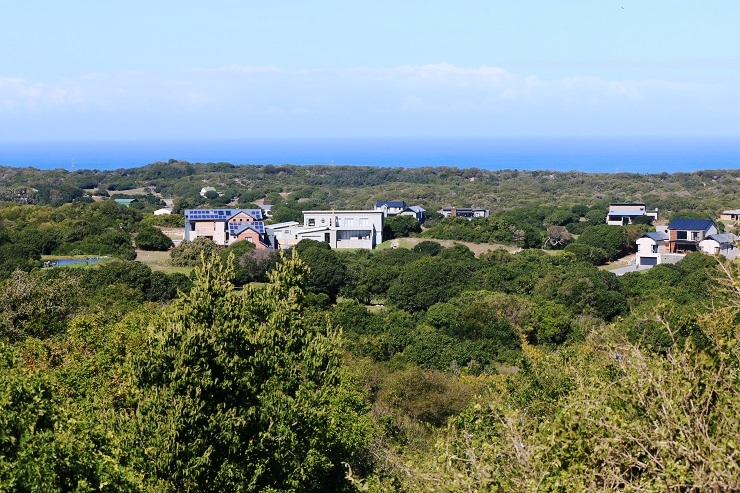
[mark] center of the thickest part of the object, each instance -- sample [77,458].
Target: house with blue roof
[684,234]
[390,207]
[226,226]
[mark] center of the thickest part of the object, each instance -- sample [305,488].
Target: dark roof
[391,203]
[691,224]
[723,238]
[220,214]
[656,235]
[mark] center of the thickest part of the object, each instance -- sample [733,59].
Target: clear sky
[161,69]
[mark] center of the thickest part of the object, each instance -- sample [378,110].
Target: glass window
[312,222]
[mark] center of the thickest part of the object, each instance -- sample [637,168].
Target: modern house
[685,234]
[651,248]
[225,226]
[415,211]
[731,215]
[719,244]
[466,212]
[622,214]
[391,207]
[399,208]
[340,229]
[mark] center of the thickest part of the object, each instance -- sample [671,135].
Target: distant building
[651,249]
[731,215]
[622,214]
[226,226]
[390,207]
[466,212]
[205,190]
[163,211]
[415,211]
[126,202]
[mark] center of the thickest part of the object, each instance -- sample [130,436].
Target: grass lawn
[476,248]
[160,261]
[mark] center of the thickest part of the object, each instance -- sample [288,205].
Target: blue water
[608,155]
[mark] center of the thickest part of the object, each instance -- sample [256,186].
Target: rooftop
[691,224]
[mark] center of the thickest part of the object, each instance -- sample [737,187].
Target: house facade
[719,244]
[622,214]
[226,226]
[390,207]
[343,229]
[684,235]
[415,211]
[466,212]
[651,249]
[731,215]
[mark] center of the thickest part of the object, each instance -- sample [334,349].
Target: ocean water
[603,155]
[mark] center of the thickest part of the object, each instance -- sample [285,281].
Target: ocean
[595,155]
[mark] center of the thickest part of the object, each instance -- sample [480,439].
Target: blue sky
[87,70]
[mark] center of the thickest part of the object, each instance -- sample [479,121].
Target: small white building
[719,244]
[622,214]
[731,215]
[466,212]
[163,211]
[651,249]
[343,229]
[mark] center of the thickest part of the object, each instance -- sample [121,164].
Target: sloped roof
[391,203]
[416,208]
[220,214]
[656,235]
[691,224]
[722,238]
[626,212]
[236,229]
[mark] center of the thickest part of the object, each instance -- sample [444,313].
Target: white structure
[415,211]
[651,249]
[163,211]
[719,244]
[391,207]
[466,212]
[205,190]
[622,214]
[340,229]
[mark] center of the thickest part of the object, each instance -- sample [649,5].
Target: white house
[651,249]
[163,211]
[466,212]
[622,214]
[340,229]
[719,244]
[390,207]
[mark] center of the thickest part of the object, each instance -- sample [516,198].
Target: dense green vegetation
[408,369]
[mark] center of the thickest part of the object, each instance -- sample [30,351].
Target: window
[348,222]
[655,248]
[249,239]
[695,235]
[312,222]
[681,235]
[364,221]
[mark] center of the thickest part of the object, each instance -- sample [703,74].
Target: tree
[400,227]
[150,238]
[239,392]
[189,253]
[326,270]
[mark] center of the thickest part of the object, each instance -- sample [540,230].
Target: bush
[153,239]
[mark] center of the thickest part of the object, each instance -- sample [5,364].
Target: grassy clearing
[476,248]
[160,261]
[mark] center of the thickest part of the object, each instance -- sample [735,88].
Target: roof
[417,208]
[722,238]
[238,228]
[656,235]
[343,212]
[732,211]
[626,203]
[391,203]
[125,202]
[287,224]
[220,214]
[691,224]
[626,212]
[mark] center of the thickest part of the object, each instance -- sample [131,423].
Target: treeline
[704,193]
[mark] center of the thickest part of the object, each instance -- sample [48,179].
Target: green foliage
[427,247]
[326,271]
[612,240]
[37,304]
[190,253]
[238,392]
[400,227]
[150,238]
